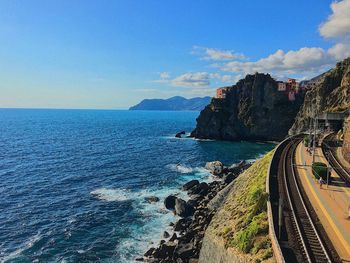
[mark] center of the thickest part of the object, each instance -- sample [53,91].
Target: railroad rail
[311,245]
[299,239]
[328,151]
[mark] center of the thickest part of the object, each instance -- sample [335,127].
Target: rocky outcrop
[214,167]
[184,245]
[253,110]
[330,94]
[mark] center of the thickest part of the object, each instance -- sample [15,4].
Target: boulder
[215,167]
[151,199]
[173,237]
[187,186]
[182,224]
[182,208]
[165,250]
[200,189]
[166,234]
[169,202]
[149,252]
[228,178]
[185,251]
[179,134]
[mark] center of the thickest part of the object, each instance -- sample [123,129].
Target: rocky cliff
[253,110]
[330,94]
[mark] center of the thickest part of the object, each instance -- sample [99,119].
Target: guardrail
[272,203]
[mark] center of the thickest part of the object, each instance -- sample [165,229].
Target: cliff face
[253,110]
[331,94]
[238,231]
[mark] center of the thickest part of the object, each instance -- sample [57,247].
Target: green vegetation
[320,170]
[244,239]
[242,221]
[307,141]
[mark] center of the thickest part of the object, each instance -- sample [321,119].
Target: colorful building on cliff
[290,87]
[221,93]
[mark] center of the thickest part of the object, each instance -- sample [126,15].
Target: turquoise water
[73,182]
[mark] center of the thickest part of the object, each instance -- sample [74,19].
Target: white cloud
[338,23]
[192,79]
[199,79]
[164,75]
[340,51]
[216,54]
[302,61]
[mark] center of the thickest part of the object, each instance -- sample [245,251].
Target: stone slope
[253,110]
[238,231]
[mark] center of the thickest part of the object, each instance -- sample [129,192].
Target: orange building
[221,93]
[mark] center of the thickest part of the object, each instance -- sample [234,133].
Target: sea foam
[110,195]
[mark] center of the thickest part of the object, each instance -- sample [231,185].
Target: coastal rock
[215,167]
[228,178]
[182,224]
[200,189]
[183,209]
[180,207]
[173,237]
[149,252]
[169,202]
[165,250]
[152,199]
[185,251]
[253,109]
[187,186]
[179,134]
[166,234]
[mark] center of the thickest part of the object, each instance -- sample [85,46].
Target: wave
[180,168]
[110,195]
[17,254]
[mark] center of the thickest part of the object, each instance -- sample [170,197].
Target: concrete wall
[346,142]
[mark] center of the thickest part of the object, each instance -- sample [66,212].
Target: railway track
[308,246]
[328,151]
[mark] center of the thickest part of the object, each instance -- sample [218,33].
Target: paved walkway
[330,203]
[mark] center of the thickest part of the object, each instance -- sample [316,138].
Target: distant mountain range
[176,103]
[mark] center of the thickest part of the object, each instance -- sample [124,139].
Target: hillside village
[291,87]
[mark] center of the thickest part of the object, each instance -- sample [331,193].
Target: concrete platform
[330,203]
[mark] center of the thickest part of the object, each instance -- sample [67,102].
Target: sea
[74,183]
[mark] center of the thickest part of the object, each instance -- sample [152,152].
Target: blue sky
[112,54]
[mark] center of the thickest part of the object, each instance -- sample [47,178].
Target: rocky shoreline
[184,245]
